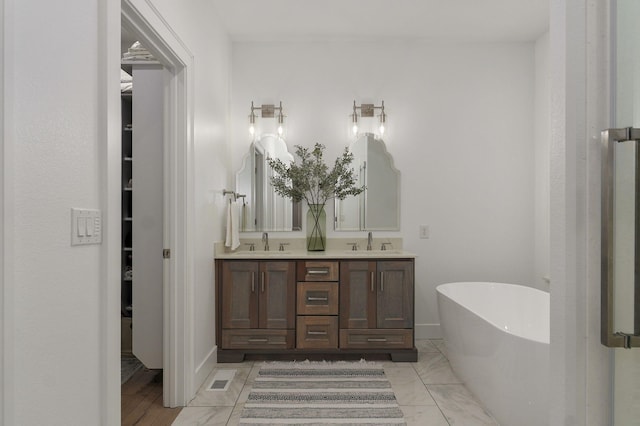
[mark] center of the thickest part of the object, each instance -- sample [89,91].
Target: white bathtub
[497,341]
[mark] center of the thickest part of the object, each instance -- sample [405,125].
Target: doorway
[142,204]
[151,30]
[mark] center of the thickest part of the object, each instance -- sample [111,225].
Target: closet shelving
[127,204]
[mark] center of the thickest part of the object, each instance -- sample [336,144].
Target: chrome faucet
[369,241]
[265,240]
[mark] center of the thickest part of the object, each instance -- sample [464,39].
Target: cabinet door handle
[373,339]
[262,282]
[373,281]
[321,333]
[253,282]
[381,282]
[317,299]
[318,271]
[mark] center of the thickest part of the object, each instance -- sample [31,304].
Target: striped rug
[321,393]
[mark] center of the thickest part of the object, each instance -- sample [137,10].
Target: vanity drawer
[317,332]
[318,270]
[317,298]
[257,339]
[363,339]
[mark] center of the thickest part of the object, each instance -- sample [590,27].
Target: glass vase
[316,228]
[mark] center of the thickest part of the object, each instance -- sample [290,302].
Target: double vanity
[334,304]
[354,300]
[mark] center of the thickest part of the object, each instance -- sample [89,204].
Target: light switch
[86,226]
[81,226]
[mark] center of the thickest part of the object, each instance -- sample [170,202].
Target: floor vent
[221,380]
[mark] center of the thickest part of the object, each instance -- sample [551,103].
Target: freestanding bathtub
[497,341]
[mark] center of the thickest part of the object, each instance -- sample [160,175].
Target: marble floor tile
[423,415]
[244,394]
[427,391]
[439,343]
[228,398]
[386,364]
[424,345]
[243,364]
[254,373]
[408,387]
[201,416]
[459,406]
[235,415]
[433,368]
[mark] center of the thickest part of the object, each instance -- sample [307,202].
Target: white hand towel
[233,233]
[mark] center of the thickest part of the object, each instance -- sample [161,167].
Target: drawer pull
[374,339]
[258,340]
[317,299]
[318,271]
[317,333]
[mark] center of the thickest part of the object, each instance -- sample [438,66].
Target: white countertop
[337,248]
[327,254]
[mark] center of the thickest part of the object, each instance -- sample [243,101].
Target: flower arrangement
[311,180]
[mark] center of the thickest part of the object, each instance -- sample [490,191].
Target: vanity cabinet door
[239,296]
[258,295]
[376,304]
[357,294]
[277,295]
[395,294]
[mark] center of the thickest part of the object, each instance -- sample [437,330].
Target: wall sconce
[368,111]
[267,111]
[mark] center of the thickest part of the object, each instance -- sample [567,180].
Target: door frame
[143,19]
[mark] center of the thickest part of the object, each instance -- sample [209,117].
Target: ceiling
[438,20]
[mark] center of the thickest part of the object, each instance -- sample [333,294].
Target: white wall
[461,133]
[55,138]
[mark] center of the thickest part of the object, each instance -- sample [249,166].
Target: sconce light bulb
[280,130]
[252,130]
[381,129]
[354,129]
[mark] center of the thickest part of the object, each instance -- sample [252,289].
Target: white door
[147,196]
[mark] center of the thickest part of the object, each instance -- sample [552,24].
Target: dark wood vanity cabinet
[258,304]
[376,304]
[298,309]
[318,289]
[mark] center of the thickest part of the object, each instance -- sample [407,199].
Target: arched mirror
[378,207]
[262,208]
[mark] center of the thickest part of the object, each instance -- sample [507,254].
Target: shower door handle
[608,334]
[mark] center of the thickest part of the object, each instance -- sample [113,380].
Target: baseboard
[204,369]
[428,331]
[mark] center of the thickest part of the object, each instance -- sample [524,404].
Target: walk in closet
[142,207]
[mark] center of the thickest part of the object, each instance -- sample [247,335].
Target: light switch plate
[424,231]
[86,226]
